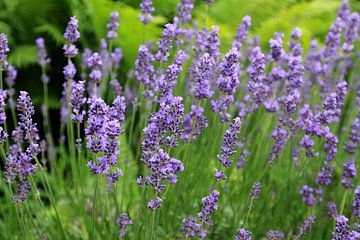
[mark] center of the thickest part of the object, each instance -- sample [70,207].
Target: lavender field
[200,134]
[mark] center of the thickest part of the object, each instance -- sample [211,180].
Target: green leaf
[53,31]
[23,56]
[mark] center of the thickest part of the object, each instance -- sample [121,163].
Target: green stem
[17,211]
[343,202]
[94,207]
[152,225]
[52,200]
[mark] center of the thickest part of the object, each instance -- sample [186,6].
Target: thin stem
[52,200]
[343,202]
[152,225]
[249,211]
[94,207]
[17,210]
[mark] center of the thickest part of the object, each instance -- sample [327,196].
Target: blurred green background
[24,20]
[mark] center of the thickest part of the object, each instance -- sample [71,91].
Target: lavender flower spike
[184,10]
[229,143]
[242,32]
[124,221]
[42,57]
[356,203]
[94,62]
[113,25]
[77,101]
[147,8]
[71,32]
[165,43]
[349,172]
[305,227]
[4,49]
[243,235]
[341,229]
[144,70]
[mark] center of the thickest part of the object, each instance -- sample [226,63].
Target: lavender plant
[160,164]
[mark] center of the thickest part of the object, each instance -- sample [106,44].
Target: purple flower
[307,143]
[308,195]
[70,51]
[354,136]
[324,177]
[271,105]
[116,57]
[341,229]
[11,74]
[275,235]
[163,168]
[71,32]
[203,73]
[21,192]
[296,34]
[77,100]
[199,46]
[229,72]
[256,73]
[94,62]
[26,111]
[331,210]
[42,56]
[124,221]
[242,159]
[230,141]
[116,87]
[20,165]
[243,235]
[4,49]
[255,191]
[146,7]
[191,229]
[356,203]
[167,82]
[242,32]
[194,123]
[349,172]
[184,10]
[95,132]
[113,25]
[305,227]
[144,70]
[295,74]
[69,71]
[84,58]
[164,44]
[351,32]
[154,204]
[164,126]
[209,205]
[276,46]
[219,175]
[330,145]
[3,133]
[212,43]
[280,136]
[333,38]
[344,10]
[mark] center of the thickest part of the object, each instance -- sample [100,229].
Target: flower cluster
[124,221]
[194,123]
[147,8]
[230,141]
[113,25]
